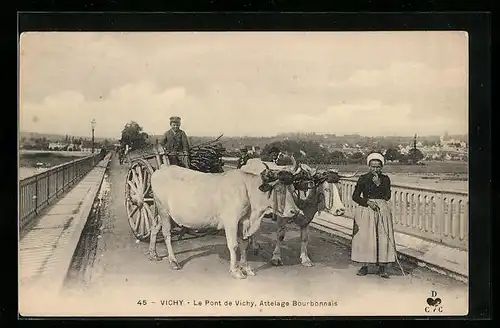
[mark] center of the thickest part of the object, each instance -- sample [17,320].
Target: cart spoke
[140,231]
[146,222]
[149,212]
[134,210]
[132,187]
[146,181]
[138,169]
[136,226]
[136,180]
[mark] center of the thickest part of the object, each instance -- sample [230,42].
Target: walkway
[45,252]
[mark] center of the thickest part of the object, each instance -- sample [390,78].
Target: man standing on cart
[176,144]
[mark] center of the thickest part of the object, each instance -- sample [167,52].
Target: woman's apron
[373,234]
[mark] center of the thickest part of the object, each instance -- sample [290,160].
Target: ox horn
[349,176]
[295,166]
[267,167]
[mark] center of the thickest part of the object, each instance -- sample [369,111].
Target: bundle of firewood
[207,157]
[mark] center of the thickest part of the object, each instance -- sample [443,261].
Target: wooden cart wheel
[139,201]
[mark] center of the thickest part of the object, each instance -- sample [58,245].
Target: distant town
[36,141]
[432,148]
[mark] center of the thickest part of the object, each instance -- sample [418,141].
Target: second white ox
[316,192]
[234,201]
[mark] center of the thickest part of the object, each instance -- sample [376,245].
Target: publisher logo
[434,303]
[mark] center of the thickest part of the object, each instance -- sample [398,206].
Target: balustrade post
[57,183]
[36,195]
[439,215]
[64,182]
[404,209]
[48,187]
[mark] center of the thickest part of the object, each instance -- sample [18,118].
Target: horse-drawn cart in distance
[139,200]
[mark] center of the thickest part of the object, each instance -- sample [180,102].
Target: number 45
[142,302]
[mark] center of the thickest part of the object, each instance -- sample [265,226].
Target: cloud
[408,75]
[371,118]
[69,112]
[243,83]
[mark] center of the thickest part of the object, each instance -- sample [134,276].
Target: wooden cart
[139,201]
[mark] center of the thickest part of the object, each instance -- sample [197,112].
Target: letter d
[434,293]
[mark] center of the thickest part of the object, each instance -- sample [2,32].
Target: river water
[25,172]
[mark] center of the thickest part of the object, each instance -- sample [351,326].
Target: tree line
[311,152]
[307,151]
[42,143]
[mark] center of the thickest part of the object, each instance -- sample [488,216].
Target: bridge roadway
[121,278]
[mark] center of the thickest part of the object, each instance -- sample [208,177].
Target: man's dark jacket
[176,141]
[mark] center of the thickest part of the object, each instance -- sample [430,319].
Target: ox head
[321,190]
[278,184]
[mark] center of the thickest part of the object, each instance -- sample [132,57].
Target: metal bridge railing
[38,191]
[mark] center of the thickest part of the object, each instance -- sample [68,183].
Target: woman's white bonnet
[376,156]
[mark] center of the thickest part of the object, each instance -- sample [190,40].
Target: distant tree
[337,157]
[133,135]
[392,154]
[356,158]
[106,143]
[304,151]
[429,143]
[415,155]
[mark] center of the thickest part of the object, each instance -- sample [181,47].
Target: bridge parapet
[428,213]
[38,191]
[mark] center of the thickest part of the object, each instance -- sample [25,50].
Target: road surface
[121,278]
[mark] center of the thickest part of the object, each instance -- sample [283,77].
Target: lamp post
[92,124]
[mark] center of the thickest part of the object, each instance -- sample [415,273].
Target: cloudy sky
[254,84]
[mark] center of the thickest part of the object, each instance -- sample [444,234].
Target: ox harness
[301,188]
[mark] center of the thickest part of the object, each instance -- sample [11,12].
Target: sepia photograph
[183,174]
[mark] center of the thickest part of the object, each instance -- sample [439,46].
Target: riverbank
[32,162]
[54,152]
[25,172]
[436,181]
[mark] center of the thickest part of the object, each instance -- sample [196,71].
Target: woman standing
[373,234]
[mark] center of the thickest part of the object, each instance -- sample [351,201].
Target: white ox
[234,201]
[316,192]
